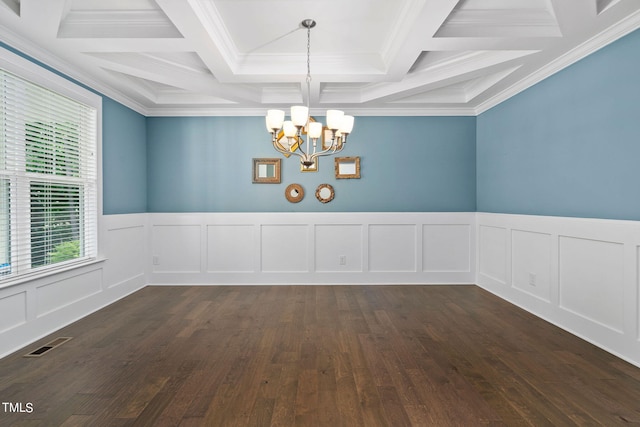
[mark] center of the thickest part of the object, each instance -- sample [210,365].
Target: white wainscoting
[36,308]
[580,274]
[311,248]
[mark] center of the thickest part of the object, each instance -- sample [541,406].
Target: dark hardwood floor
[318,356]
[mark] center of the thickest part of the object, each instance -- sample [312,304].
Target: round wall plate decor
[294,193]
[325,193]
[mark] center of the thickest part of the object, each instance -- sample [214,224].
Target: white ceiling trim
[28,48]
[626,26]
[434,57]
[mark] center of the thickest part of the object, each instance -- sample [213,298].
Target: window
[48,178]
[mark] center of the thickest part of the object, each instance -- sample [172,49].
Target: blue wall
[124,159]
[203,164]
[570,145]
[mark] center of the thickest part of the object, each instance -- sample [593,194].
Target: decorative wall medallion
[324,193]
[294,193]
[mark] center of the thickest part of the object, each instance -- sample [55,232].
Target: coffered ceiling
[368,57]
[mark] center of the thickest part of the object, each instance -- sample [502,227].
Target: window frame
[37,74]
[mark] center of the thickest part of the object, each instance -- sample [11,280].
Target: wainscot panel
[13,309]
[57,295]
[493,261]
[339,247]
[580,274]
[531,263]
[127,249]
[33,309]
[176,248]
[446,247]
[392,248]
[231,248]
[591,280]
[284,248]
[311,248]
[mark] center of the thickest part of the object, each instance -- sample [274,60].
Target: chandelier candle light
[338,124]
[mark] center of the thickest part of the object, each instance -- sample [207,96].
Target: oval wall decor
[294,193]
[325,193]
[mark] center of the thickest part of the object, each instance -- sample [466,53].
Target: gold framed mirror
[347,167]
[288,144]
[324,193]
[294,193]
[266,171]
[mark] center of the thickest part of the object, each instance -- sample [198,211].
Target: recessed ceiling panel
[116,19]
[273,27]
[501,18]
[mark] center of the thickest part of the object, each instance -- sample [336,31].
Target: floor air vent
[49,346]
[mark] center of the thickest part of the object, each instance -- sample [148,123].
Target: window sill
[51,272]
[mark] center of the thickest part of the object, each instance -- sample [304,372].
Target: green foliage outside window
[65,251]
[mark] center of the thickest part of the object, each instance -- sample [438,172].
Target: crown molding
[36,53]
[574,55]
[358,112]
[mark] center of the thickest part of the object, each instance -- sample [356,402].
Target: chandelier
[338,128]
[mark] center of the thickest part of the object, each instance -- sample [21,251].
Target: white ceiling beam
[132,85]
[257,68]
[314,92]
[44,16]
[421,21]
[489,43]
[408,87]
[472,64]
[572,15]
[146,45]
[139,66]
[185,18]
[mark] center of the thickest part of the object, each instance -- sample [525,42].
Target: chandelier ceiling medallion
[290,132]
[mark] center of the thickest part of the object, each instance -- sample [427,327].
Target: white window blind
[48,179]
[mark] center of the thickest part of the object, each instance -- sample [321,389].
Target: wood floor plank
[284,407]
[318,356]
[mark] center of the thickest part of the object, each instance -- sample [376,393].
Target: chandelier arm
[303,155]
[302,143]
[331,150]
[278,149]
[328,151]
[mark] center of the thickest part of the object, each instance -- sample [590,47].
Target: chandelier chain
[308,67]
[309,54]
